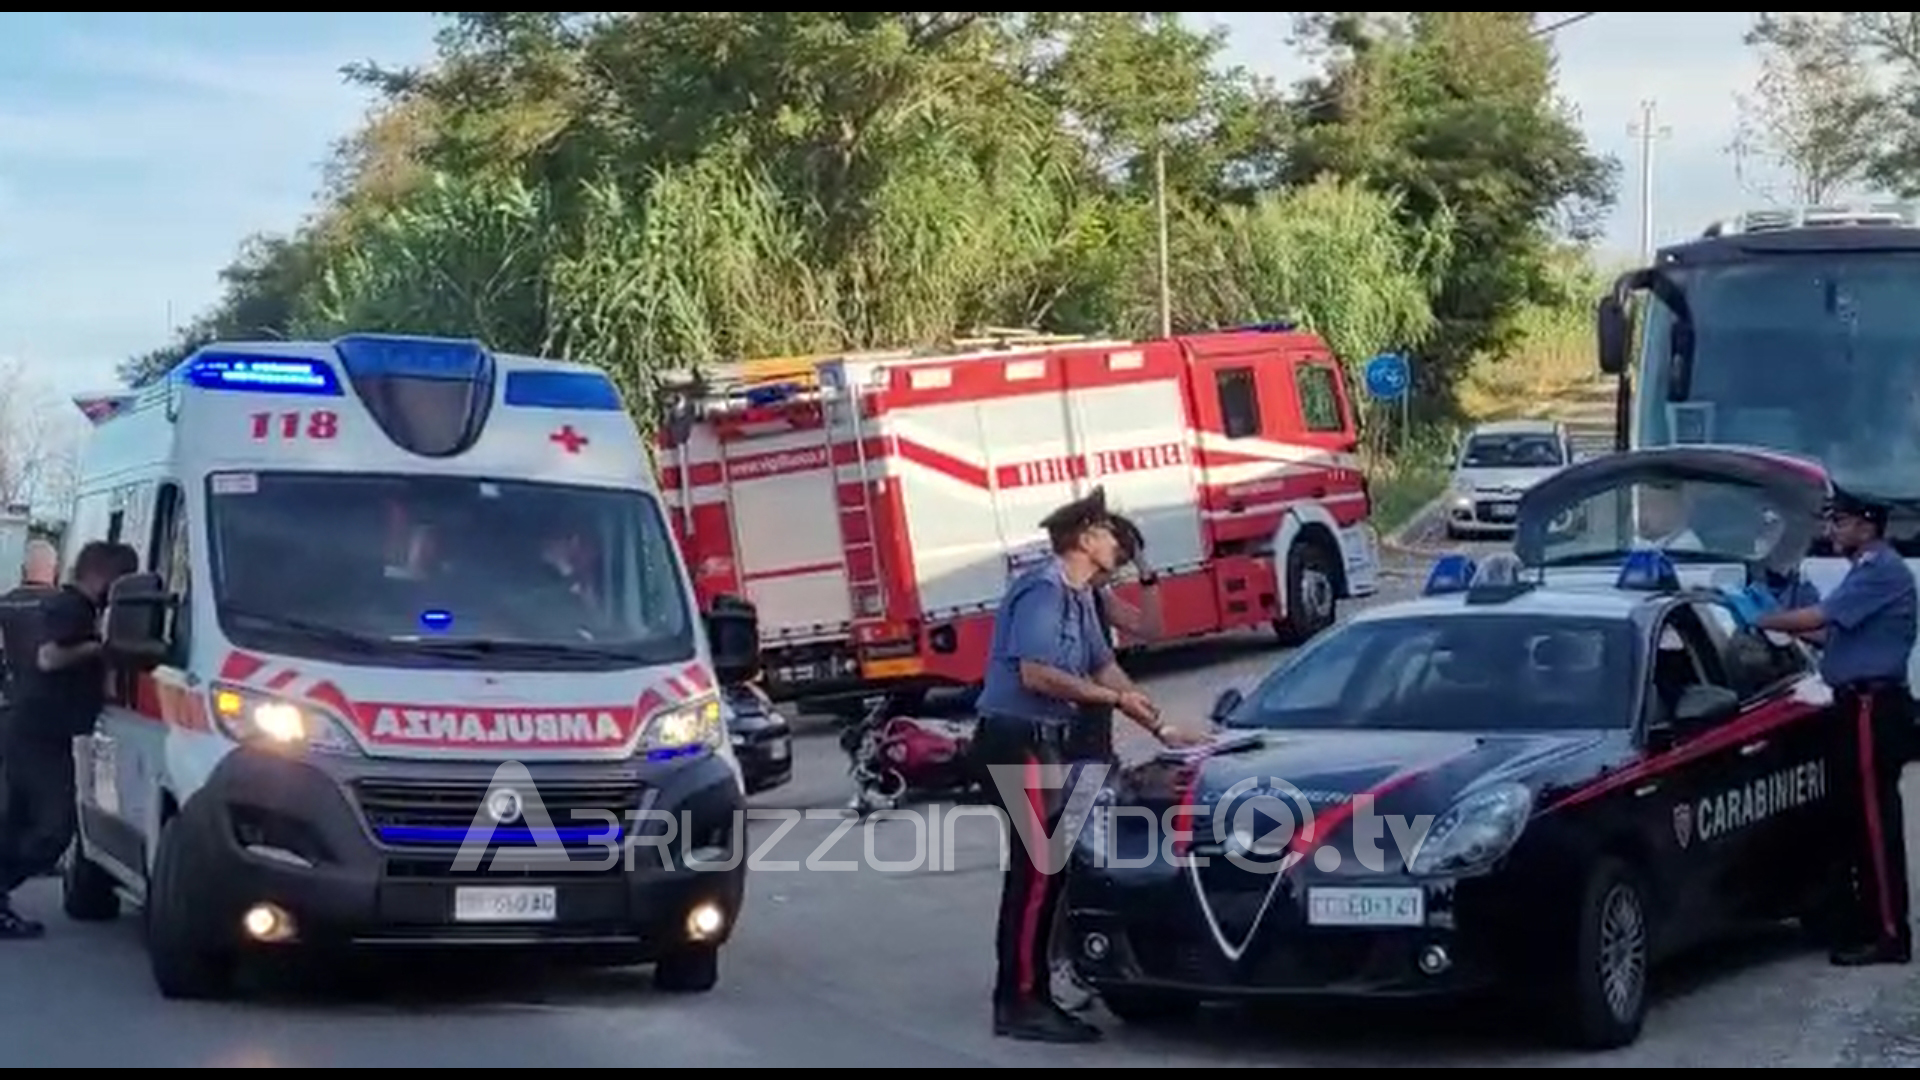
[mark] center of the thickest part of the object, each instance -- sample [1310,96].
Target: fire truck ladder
[857,522]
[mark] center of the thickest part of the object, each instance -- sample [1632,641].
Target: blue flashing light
[585,390]
[395,356]
[436,620]
[1452,574]
[771,395]
[674,752]
[1648,571]
[512,836]
[261,374]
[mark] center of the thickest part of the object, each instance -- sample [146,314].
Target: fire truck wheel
[1310,593]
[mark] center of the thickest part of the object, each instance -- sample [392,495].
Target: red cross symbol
[570,439]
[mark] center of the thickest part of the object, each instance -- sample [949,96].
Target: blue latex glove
[1763,598]
[1746,611]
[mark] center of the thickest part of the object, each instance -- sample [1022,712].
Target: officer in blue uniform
[1050,656]
[1869,627]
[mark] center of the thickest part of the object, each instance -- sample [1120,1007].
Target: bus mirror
[733,638]
[136,623]
[1614,327]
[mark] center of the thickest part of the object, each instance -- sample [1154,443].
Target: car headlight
[686,727]
[257,719]
[1477,830]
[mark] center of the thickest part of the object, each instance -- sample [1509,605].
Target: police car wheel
[1146,1007]
[87,893]
[693,970]
[1605,1000]
[183,968]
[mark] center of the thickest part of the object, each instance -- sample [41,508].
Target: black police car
[1543,782]
[762,739]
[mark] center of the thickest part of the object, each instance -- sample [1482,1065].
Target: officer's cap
[1847,504]
[1069,521]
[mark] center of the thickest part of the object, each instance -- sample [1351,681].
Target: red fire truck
[872,506]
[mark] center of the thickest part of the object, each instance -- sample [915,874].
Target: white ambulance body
[872,506]
[403,600]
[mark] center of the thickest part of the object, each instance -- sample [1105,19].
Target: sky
[138,149]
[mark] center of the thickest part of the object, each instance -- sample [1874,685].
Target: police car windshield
[428,570]
[1466,672]
[1511,452]
[1692,521]
[1817,355]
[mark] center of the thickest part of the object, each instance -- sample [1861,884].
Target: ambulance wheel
[87,893]
[1310,585]
[692,970]
[183,968]
[1603,999]
[1147,1008]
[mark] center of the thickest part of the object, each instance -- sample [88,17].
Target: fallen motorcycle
[896,759]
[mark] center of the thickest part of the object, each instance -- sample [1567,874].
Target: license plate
[1502,511]
[480,904]
[1366,907]
[779,751]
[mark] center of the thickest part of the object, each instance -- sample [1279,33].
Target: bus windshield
[446,571]
[1816,355]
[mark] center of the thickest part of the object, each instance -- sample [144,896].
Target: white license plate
[481,904]
[1366,907]
[779,751]
[1502,511]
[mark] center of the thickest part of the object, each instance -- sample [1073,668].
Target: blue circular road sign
[1387,377]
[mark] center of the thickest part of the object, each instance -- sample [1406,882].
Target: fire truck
[872,506]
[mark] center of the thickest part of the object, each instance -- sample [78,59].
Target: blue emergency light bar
[514,835]
[1648,571]
[772,395]
[584,390]
[396,356]
[260,374]
[436,620]
[1452,574]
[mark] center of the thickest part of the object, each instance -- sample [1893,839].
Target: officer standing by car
[1869,625]
[1049,657]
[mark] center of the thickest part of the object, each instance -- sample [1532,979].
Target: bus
[1796,330]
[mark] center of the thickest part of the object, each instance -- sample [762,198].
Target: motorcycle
[895,758]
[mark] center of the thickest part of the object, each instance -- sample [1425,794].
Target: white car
[1496,464]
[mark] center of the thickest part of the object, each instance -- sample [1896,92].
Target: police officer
[1049,656]
[1869,626]
[1091,737]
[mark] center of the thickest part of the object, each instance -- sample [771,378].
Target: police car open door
[1720,514]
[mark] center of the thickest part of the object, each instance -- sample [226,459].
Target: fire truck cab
[411,651]
[873,505]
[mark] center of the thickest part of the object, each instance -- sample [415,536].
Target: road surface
[869,968]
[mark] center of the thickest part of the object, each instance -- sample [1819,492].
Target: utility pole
[1160,210]
[1648,131]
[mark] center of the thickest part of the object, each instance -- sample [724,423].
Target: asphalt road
[873,968]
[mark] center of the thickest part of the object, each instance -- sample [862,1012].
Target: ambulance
[412,660]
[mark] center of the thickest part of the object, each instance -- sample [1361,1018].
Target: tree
[1455,112]
[1814,113]
[38,441]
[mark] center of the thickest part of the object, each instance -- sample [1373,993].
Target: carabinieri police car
[1548,773]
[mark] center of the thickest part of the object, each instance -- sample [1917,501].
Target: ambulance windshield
[428,570]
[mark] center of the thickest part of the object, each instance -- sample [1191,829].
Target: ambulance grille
[437,804]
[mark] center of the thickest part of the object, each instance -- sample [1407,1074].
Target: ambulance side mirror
[136,623]
[733,638]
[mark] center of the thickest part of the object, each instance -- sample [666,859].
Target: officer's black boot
[1896,951]
[1040,1021]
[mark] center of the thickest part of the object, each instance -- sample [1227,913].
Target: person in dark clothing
[20,630]
[60,699]
[1049,656]
[1869,624]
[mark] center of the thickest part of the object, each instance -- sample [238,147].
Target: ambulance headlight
[687,727]
[257,719]
[1475,832]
